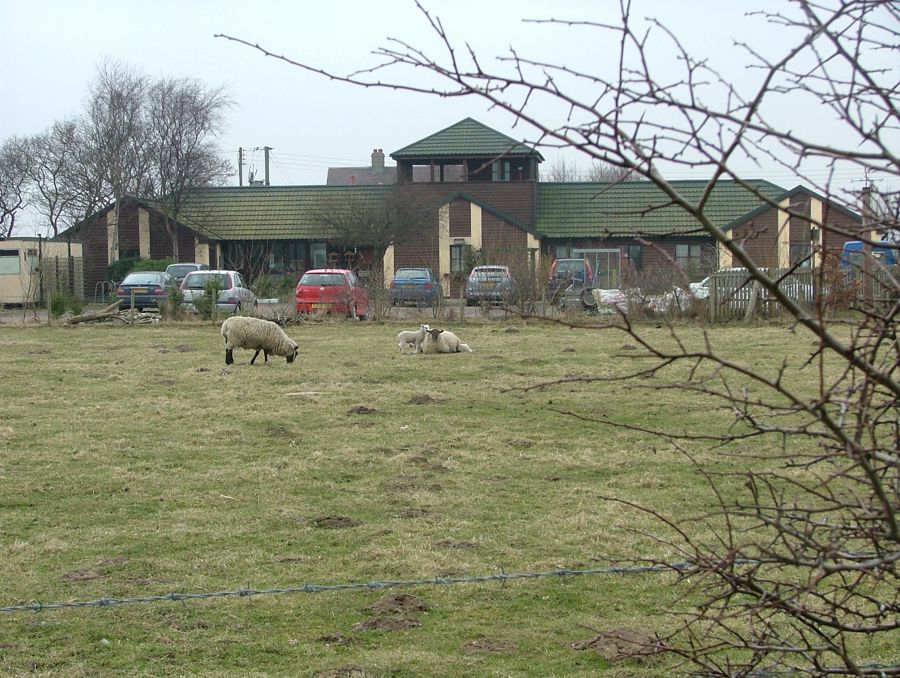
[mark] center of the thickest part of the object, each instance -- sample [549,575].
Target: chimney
[377,161]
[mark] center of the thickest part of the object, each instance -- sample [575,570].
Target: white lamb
[443,341]
[256,333]
[412,338]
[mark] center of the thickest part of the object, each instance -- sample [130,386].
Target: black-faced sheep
[412,338]
[443,341]
[256,334]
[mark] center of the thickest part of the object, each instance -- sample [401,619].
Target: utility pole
[266,150]
[240,166]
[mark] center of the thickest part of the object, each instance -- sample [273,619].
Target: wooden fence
[61,274]
[733,296]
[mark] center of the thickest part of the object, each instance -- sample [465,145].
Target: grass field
[134,463]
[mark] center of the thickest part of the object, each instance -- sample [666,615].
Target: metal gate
[607,266]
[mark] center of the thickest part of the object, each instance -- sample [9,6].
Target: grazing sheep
[412,338]
[256,333]
[443,341]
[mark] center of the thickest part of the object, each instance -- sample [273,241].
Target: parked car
[854,252]
[178,271]
[576,274]
[150,289]
[416,285]
[490,284]
[332,290]
[234,292]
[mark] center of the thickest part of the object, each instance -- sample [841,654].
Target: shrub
[206,302]
[61,301]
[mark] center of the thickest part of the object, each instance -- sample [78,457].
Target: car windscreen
[180,270]
[570,267]
[323,279]
[198,281]
[143,279]
[412,274]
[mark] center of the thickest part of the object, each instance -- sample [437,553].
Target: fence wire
[370,585]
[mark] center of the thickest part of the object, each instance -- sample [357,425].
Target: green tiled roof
[466,139]
[630,208]
[271,212]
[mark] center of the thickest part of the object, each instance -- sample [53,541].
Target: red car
[332,290]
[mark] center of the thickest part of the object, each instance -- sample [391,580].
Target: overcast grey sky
[50,50]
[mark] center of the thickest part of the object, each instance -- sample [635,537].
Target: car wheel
[588,300]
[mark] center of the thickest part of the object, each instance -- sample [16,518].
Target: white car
[235,294]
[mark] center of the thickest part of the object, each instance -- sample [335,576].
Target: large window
[9,262]
[318,254]
[635,254]
[457,258]
[801,255]
[688,255]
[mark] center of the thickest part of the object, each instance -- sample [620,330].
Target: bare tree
[48,160]
[115,129]
[13,198]
[567,170]
[183,118]
[802,577]
[376,220]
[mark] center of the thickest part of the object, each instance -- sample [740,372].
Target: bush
[61,301]
[206,302]
[171,307]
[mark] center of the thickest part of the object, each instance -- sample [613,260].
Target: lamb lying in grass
[412,338]
[443,341]
[256,333]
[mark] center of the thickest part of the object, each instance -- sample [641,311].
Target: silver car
[235,294]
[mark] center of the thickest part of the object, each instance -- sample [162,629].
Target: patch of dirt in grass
[397,604]
[361,409]
[389,623]
[280,432]
[628,347]
[521,442]
[455,544]
[488,646]
[40,351]
[81,575]
[349,671]
[411,512]
[619,644]
[334,522]
[422,460]
[404,485]
[422,399]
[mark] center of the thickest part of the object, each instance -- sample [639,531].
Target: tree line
[153,139]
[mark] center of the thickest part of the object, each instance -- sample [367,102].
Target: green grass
[134,463]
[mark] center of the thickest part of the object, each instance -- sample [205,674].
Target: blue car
[148,289]
[414,285]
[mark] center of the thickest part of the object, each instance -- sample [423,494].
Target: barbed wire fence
[348,586]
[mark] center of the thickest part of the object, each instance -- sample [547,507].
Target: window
[457,258]
[32,260]
[562,252]
[318,254]
[635,256]
[688,255]
[9,262]
[801,255]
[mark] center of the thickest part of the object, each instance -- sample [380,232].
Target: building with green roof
[489,206]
